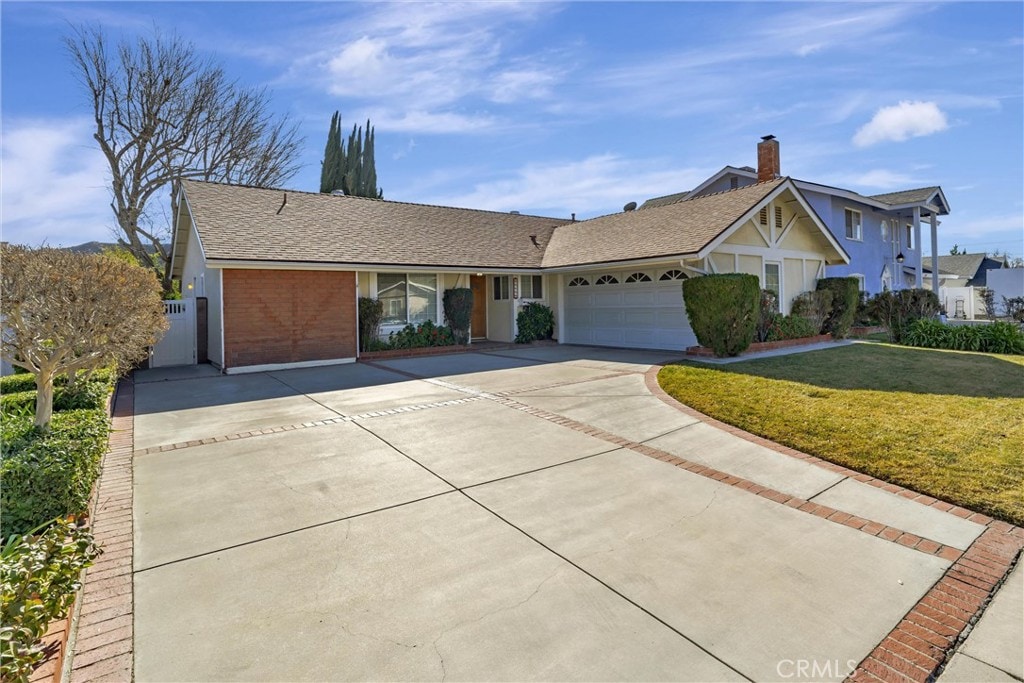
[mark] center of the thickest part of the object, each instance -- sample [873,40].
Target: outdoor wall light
[900,258]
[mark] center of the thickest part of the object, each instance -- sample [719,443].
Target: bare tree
[66,312]
[163,113]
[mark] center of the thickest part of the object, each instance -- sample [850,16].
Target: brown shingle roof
[243,223]
[921,194]
[680,228]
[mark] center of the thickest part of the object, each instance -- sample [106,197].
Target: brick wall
[288,316]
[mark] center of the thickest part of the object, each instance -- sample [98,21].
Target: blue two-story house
[883,233]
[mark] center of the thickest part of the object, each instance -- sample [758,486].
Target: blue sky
[557,108]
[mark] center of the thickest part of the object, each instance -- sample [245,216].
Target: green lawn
[946,423]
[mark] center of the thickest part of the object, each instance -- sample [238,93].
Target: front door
[478,323]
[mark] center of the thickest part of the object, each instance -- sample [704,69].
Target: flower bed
[411,353]
[703,351]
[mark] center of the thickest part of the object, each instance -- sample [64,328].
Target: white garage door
[631,309]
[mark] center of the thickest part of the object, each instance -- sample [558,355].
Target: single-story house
[282,270]
[964,270]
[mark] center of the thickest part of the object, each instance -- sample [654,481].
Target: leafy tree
[66,312]
[350,168]
[161,113]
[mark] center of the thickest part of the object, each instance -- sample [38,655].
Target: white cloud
[422,62]
[595,185]
[985,226]
[421,121]
[900,122]
[53,184]
[881,178]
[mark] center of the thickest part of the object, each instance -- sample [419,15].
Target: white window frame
[859,232]
[501,288]
[764,281]
[438,284]
[884,227]
[532,293]
[909,241]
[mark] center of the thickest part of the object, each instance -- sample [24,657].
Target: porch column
[935,253]
[560,320]
[918,275]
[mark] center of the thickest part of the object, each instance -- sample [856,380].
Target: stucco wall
[288,316]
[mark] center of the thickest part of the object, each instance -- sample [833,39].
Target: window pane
[391,292]
[532,288]
[422,298]
[771,278]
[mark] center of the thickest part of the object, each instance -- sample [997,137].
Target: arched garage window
[672,275]
[578,282]
[638,277]
[607,280]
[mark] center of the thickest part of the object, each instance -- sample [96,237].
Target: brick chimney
[767,159]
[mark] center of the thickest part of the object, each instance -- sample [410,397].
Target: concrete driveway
[495,516]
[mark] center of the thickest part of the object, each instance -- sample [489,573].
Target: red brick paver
[103,641]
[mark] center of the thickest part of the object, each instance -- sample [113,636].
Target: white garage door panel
[633,315]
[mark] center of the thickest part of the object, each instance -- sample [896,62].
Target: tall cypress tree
[332,157]
[350,168]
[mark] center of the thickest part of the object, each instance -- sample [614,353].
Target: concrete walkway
[494,517]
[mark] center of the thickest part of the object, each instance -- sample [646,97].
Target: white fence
[178,346]
[963,303]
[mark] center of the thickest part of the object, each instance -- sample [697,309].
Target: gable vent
[763,217]
[778,217]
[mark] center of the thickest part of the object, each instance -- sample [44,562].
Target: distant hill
[92,247]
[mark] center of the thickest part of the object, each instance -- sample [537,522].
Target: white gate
[178,346]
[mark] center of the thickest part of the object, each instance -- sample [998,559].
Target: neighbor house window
[910,236]
[885,231]
[853,225]
[773,278]
[407,298]
[532,286]
[501,291]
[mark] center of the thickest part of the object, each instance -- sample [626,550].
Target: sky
[558,108]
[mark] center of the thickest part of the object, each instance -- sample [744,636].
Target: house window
[672,275]
[885,231]
[578,282]
[532,286]
[773,278]
[861,284]
[910,236]
[853,225]
[501,291]
[638,277]
[607,280]
[407,298]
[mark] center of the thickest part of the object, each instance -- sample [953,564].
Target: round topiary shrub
[723,310]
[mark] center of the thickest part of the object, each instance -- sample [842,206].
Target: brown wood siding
[288,316]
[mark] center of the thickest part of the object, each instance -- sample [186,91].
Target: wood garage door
[630,309]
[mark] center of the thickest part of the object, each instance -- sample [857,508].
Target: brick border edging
[101,644]
[705,352]
[919,645]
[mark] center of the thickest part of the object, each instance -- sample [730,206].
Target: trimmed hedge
[85,395]
[845,297]
[26,381]
[723,310]
[997,337]
[790,327]
[534,321]
[49,475]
